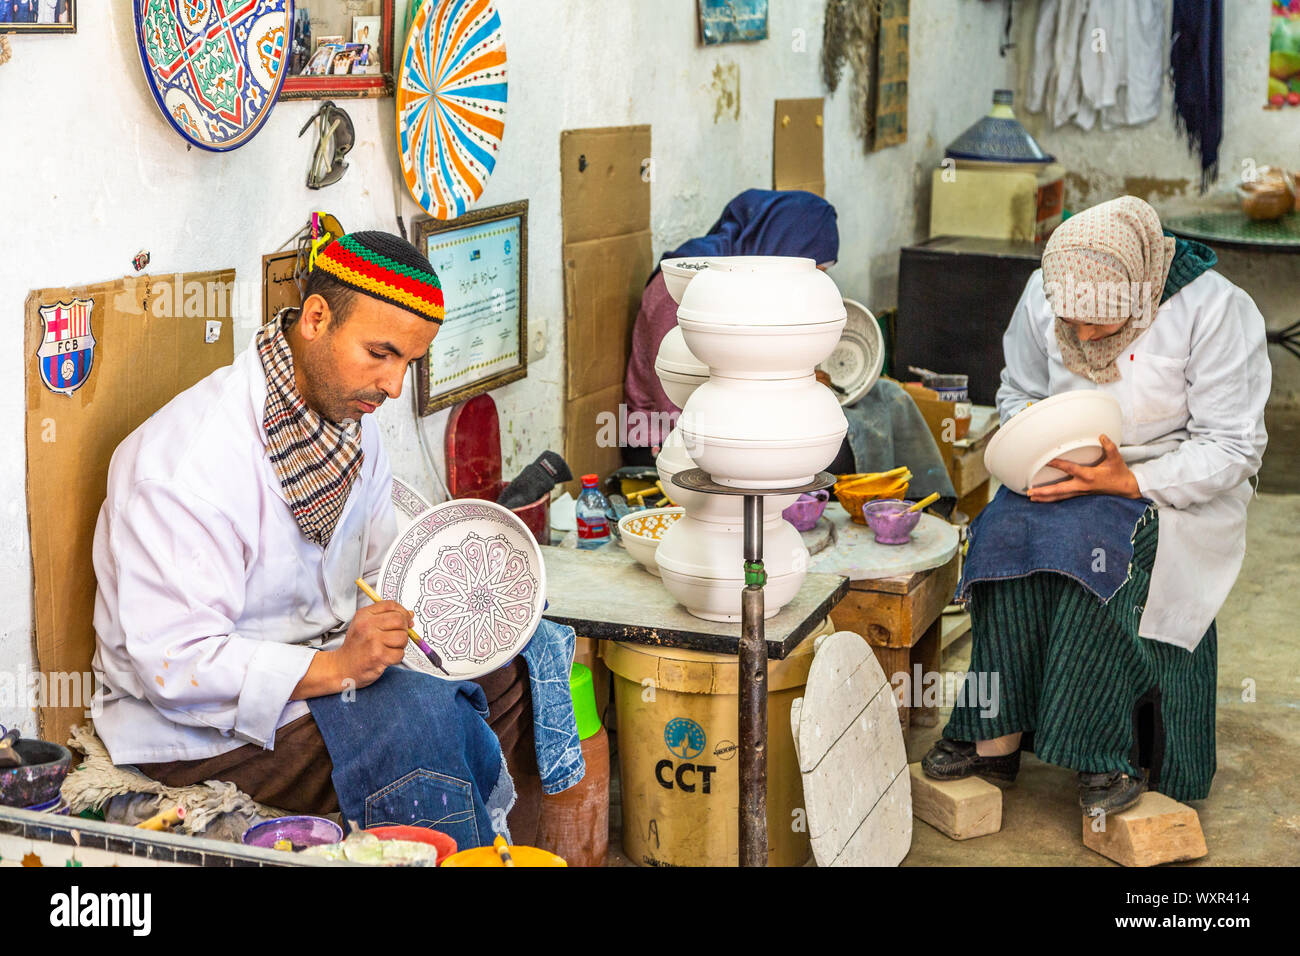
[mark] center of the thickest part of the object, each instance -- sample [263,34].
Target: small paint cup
[890,520]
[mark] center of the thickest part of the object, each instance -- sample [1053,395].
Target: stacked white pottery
[680,372]
[761,420]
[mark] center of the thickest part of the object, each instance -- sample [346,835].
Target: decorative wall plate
[408,503]
[859,356]
[451,103]
[473,576]
[215,67]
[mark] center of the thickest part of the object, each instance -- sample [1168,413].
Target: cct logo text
[75,908]
[684,739]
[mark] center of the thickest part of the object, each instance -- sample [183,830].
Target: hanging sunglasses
[335,137]
[319,232]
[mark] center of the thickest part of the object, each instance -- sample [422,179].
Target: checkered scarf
[316,460]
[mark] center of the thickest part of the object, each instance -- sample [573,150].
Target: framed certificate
[481,260]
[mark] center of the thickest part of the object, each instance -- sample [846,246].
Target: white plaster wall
[1153,161]
[92,174]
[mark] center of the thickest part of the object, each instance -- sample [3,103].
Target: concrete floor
[1252,816]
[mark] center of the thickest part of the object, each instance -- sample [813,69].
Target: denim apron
[1088,538]
[415,750]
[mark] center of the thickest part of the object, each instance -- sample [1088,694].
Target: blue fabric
[767,222]
[1196,67]
[549,656]
[414,750]
[1088,538]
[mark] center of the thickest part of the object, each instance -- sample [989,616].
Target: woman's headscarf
[767,222]
[1105,265]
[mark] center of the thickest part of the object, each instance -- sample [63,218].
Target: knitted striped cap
[385,267]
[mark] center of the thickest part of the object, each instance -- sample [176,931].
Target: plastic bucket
[678,734]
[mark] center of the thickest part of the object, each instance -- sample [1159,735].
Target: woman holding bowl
[1093,598]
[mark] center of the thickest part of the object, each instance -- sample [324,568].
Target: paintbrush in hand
[420,642]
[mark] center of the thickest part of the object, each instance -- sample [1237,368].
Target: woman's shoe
[1109,792]
[955,759]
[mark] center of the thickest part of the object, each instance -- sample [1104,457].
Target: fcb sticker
[67,350]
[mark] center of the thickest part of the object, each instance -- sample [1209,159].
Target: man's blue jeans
[414,750]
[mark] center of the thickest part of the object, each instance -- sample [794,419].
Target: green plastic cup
[584,701]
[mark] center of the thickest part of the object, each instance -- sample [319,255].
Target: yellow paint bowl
[488,856]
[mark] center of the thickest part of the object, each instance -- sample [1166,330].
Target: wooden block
[1157,830]
[962,809]
[887,618]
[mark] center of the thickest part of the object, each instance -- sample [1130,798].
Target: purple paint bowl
[805,513]
[302,832]
[890,520]
[38,778]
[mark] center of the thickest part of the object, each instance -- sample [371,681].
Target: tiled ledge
[74,841]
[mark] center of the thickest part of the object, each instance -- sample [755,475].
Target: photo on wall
[38,16]
[1284,55]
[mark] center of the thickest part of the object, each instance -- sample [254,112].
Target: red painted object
[473,447]
[445,844]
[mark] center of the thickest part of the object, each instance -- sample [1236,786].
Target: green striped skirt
[1089,694]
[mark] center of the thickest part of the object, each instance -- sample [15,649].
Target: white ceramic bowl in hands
[761,351]
[1064,426]
[721,509]
[679,371]
[678,274]
[762,290]
[703,567]
[641,531]
[762,434]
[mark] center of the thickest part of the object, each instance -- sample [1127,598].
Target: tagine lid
[998,138]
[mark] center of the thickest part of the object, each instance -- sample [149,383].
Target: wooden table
[899,615]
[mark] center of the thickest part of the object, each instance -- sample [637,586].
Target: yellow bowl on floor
[488,856]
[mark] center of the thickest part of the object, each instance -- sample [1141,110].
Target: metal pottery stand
[752,677]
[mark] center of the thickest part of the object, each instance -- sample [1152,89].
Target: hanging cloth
[1196,64]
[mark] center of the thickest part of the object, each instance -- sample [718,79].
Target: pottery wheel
[851,756]
[858,556]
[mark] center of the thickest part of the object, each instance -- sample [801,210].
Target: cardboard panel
[603,282]
[150,344]
[582,435]
[605,182]
[279,290]
[605,186]
[797,146]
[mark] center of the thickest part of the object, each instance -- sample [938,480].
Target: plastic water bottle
[593,522]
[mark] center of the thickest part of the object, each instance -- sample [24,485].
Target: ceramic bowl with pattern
[1065,426]
[472,574]
[641,531]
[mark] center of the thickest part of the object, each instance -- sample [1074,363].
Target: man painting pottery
[231,635]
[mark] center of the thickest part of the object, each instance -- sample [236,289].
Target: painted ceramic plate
[855,364]
[451,103]
[215,67]
[407,502]
[472,574]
